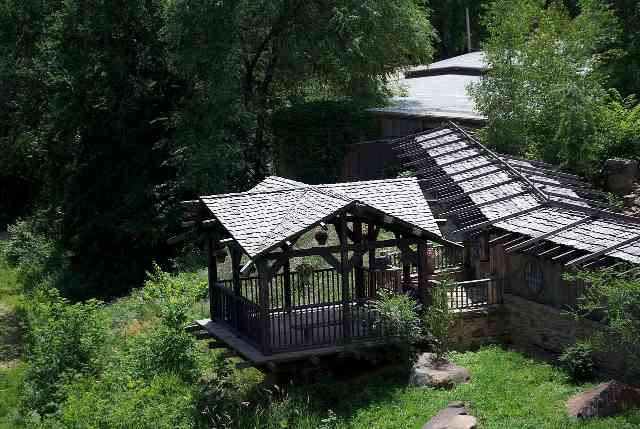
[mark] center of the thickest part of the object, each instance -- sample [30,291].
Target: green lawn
[507,390]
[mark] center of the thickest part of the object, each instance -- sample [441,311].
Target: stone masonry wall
[477,327]
[550,330]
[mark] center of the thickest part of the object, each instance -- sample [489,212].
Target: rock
[429,372]
[454,416]
[604,400]
[621,174]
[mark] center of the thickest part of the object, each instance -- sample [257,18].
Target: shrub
[399,320]
[170,297]
[31,252]
[62,341]
[437,320]
[577,361]
[162,349]
[164,402]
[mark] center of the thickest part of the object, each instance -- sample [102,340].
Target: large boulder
[431,372]
[604,400]
[621,174]
[454,416]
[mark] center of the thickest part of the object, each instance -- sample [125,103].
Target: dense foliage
[544,92]
[111,112]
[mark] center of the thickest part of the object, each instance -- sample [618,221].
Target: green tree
[542,94]
[275,53]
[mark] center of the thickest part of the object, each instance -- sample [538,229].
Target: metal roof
[438,90]
[473,62]
[478,189]
[278,209]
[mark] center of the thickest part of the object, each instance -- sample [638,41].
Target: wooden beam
[263,294]
[501,238]
[551,250]
[565,254]
[466,179]
[501,219]
[549,234]
[344,278]
[177,238]
[485,203]
[474,191]
[602,252]
[212,277]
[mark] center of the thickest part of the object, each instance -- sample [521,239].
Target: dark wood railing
[316,315]
[475,293]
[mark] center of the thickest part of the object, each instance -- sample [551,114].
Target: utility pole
[466,11]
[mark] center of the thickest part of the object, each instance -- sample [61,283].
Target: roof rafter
[609,249]
[550,233]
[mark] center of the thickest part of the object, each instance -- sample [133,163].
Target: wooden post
[406,275]
[265,319]
[344,275]
[236,257]
[287,284]
[466,260]
[359,271]
[372,236]
[212,276]
[425,272]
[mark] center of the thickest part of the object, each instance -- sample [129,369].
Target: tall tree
[278,52]
[544,87]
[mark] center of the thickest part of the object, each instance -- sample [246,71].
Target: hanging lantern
[322,236]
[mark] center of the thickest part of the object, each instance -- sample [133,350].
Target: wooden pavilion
[280,314]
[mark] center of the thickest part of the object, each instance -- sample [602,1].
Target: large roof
[439,90]
[278,209]
[478,189]
[472,63]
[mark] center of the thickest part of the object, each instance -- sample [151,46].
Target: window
[533,276]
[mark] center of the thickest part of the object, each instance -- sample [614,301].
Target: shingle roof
[277,208]
[481,188]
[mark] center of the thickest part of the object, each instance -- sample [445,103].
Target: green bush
[170,297]
[164,402]
[399,320]
[437,320]
[163,349]
[62,341]
[577,361]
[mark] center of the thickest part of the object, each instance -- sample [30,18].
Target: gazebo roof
[279,209]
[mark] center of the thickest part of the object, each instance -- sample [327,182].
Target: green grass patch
[10,389]
[507,390]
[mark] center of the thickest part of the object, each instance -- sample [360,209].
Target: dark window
[533,276]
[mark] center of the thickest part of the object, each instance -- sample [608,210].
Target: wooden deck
[252,354]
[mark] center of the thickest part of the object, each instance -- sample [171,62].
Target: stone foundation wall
[550,330]
[474,328]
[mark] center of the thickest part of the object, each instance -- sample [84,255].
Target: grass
[10,368]
[507,390]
